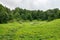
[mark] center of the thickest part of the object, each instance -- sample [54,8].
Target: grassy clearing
[35,30]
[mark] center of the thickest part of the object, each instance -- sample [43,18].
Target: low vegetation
[34,30]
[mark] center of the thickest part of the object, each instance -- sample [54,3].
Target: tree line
[23,14]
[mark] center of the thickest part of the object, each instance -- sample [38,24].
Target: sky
[31,4]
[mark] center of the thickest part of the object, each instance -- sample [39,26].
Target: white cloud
[31,4]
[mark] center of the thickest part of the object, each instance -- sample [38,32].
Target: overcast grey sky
[31,4]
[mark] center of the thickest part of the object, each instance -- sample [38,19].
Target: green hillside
[34,30]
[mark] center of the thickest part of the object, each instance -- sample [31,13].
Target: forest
[20,14]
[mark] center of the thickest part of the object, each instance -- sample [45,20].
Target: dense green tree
[3,14]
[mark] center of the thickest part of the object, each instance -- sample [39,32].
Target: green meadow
[34,30]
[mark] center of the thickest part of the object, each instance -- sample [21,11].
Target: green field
[35,30]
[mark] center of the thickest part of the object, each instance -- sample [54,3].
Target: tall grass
[35,30]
